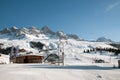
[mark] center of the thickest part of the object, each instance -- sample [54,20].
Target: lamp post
[61,50]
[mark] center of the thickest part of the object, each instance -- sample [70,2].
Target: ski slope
[78,65]
[72,48]
[54,72]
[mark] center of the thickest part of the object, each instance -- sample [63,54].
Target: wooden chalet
[27,59]
[18,56]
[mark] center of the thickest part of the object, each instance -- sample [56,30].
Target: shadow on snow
[87,67]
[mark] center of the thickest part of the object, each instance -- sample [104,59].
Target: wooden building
[16,57]
[27,59]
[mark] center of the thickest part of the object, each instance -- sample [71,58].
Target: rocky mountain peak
[73,36]
[46,30]
[61,35]
[23,30]
[5,31]
[103,39]
[34,30]
[15,32]
[13,29]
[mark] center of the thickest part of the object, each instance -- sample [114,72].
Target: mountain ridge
[69,43]
[17,32]
[45,30]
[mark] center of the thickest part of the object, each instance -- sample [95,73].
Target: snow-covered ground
[71,71]
[78,65]
[79,68]
[4,59]
[72,48]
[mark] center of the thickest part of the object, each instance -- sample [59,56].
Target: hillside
[72,45]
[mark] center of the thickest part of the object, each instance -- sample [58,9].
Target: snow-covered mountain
[103,39]
[20,33]
[47,30]
[72,45]
[10,36]
[74,36]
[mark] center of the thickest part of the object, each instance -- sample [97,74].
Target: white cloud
[112,6]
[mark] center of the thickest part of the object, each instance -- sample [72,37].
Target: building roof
[29,55]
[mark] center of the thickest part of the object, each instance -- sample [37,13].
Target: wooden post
[118,63]
[63,58]
[59,51]
[63,55]
[58,55]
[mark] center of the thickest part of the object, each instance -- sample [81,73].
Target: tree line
[113,50]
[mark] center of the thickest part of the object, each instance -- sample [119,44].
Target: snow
[54,72]
[74,69]
[72,48]
[78,65]
[14,27]
[4,59]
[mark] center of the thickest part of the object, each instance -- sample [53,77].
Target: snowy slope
[72,48]
[77,66]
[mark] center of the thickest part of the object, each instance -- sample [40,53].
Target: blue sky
[89,19]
